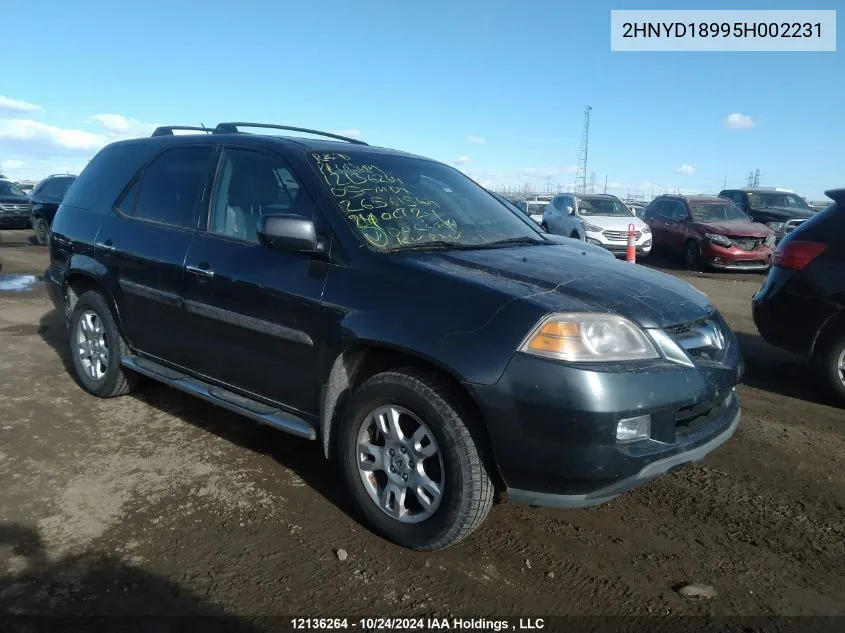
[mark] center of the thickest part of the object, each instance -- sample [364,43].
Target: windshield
[603,206]
[775,199]
[716,212]
[398,202]
[10,189]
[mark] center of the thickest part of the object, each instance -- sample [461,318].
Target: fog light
[590,240]
[630,429]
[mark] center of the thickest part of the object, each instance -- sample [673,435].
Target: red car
[709,231]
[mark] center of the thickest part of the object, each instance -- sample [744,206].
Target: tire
[827,363]
[575,235]
[467,496]
[42,233]
[109,378]
[692,256]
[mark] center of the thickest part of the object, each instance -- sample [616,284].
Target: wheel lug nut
[390,452]
[405,476]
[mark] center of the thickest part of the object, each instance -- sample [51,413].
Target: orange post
[631,254]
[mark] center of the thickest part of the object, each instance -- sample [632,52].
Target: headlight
[588,338]
[646,230]
[721,240]
[592,228]
[770,239]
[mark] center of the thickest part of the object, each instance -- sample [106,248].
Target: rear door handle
[202,269]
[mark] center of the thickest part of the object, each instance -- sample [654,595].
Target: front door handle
[202,269]
[106,246]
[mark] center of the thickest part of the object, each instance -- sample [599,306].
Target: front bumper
[553,426]
[643,246]
[733,258]
[14,221]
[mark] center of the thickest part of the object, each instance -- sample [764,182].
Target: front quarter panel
[432,316]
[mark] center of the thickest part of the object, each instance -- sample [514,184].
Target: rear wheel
[42,234]
[829,364]
[411,462]
[97,347]
[692,256]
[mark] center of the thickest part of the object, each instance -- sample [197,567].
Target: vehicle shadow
[770,369]
[92,591]
[303,457]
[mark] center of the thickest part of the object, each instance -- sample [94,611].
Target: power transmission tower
[756,178]
[750,182]
[581,172]
[593,182]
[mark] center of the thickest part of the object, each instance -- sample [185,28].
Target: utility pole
[725,183]
[581,172]
[605,183]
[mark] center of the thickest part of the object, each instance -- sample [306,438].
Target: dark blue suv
[440,347]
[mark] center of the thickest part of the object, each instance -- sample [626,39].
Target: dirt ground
[159,503]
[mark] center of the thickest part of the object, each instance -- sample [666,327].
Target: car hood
[567,279]
[783,213]
[613,222]
[14,200]
[737,228]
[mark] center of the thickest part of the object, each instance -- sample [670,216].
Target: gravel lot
[159,503]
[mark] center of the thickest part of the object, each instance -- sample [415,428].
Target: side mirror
[570,210]
[291,233]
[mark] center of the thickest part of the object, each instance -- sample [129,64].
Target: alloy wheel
[400,464]
[92,346]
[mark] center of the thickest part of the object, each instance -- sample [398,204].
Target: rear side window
[105,176]
[171,187]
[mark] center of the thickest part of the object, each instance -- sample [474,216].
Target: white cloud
[349,133]
[685,169]
[16,106]
[462,160]
[41,146]
[737,121]
[476,139]
[12,164]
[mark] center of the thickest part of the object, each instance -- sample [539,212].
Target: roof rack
[167,130]
[232,128]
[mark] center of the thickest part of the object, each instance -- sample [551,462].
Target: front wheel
[411,462]
[42,233]
[692,256]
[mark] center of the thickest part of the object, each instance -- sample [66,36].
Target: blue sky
[435,78]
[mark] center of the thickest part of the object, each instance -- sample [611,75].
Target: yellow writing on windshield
[384,209]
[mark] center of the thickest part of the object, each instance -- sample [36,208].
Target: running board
[265,414]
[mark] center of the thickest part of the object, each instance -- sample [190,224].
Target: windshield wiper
[434,245]
[525,239]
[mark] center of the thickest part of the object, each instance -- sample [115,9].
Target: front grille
[701,340]
[748,243]
[620,235]
[14,208]
[688,419]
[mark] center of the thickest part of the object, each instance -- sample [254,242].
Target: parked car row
[437,344]
[35,209]
[736,230]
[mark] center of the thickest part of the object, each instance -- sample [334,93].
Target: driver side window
[251,184]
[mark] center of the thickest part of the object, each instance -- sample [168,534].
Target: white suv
[605,219]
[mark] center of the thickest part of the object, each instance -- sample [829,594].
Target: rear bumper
[786,320]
